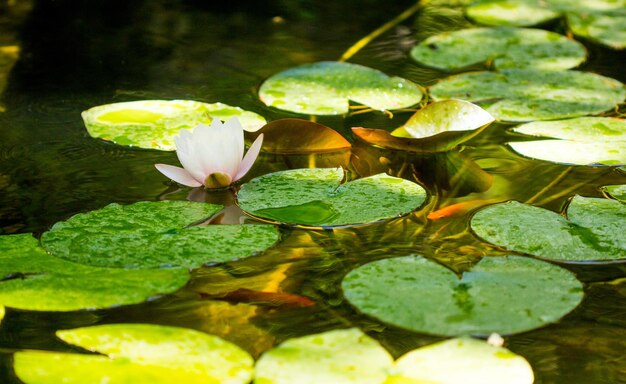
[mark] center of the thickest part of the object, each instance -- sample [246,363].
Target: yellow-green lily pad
[516,13]
[138,354]
[529,94]
[34,280]
[506,47]
[316,197]
[344,356]
[499,294]
[461,360]
[583,140]
[154,234]
[153,124]
[592,230]
[325,88]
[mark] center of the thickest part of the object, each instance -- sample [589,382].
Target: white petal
[234,125]
[186,152]
[178,174]
[250,158]
[218,147]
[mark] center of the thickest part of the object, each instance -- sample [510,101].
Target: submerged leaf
[338,357]
[289,136]
[593,229]
[324,88]
[507,47]
[138,353]
[153,124]
[316,197]
[500,294]
[154,234]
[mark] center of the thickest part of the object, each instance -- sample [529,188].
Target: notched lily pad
[34,280]
[137,353]
[291,136]
[462,360]
[154,234]
[506,47]
[528,94]
[584,140]
[338,357]
[316,197]
[500,294]
[324,88]
[153,124]
[593,230]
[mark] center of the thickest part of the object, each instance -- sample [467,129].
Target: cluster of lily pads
[121,255]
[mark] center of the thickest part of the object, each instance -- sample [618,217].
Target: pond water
[76,55]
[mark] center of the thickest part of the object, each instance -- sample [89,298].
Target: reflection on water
[75,55]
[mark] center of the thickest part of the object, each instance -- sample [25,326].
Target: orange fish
[459,208]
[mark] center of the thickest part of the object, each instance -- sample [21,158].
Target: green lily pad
[507,47]
[593,229]
[338,357]
[154,234]
[500,294]
[528,94]
[608,28]
[324,88]
[515,13]
[153,124]
[34,280]
[617,191]
[137,353]
[584,140]
[315,196]
[462,360]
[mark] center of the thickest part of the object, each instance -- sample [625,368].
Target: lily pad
[338,357]
[154,234]
[324,88]
[316,197]
[608,28]
[506,47]
[517,13]
[34,280]
[500,294]
[462,360]
[593,229]
[617,191]
[137,353]
[584,140]
[528,94]
[290,136]
[153,124]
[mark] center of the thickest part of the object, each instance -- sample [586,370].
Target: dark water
[78,54]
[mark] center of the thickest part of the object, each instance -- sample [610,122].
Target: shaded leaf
[500,294]
[617,191]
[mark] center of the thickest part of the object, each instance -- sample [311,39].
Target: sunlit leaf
[506,47]
[608,28]
[519,13]
[137,353]
[154,234]
[316,197]
[593,230]
[288,136]
[2,312]
[617,191]
[583,140]
[153,124]
[526,94]
[34,280]
[462,360]
[324,88]
[338,357]
[500,294]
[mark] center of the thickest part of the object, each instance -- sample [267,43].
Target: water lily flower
[212,155]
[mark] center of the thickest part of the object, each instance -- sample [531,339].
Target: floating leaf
[583,140]
[593,229]
[154,234]
[507,47]
[608,28]
[527,94]
[324,88]
[617,191]
[500,294]
[338,357]
[317,197]
[34,280]
[137,353]
[288,136]
[2,312]
[153,124]
[462,360]
[518,13]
